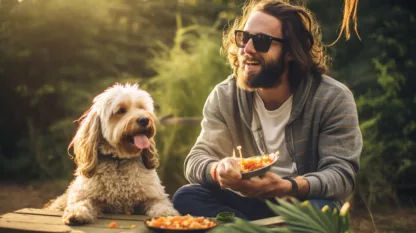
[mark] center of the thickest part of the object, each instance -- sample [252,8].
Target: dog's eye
[121,111]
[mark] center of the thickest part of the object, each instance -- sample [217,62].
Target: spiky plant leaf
[327,221]
[241,226]
[294,216]
[299,217]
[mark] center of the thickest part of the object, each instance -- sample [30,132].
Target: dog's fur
[115,153]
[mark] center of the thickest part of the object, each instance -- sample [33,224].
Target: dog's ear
[150,157]
[85,143]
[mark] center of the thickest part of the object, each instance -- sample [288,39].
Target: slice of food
[181,222]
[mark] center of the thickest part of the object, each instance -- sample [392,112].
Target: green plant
[299,217]
[387,113]
[186,72]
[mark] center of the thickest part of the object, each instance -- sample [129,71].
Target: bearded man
[278,98]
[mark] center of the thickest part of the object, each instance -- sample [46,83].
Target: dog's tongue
[141,141]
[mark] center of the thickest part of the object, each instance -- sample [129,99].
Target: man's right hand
[227,172]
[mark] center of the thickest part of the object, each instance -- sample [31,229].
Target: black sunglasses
[261,42]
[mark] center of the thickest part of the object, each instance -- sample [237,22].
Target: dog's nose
[142,121]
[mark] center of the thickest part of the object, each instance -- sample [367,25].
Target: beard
[268,76]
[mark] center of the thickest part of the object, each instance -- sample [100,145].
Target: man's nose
[142,121]
[249,48]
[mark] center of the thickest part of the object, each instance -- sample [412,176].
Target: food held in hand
[257,162]
[181,222]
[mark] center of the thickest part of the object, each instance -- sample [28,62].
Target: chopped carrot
[133,226]
[113,225]
[254,163]
[181,222]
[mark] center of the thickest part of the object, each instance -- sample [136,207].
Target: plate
[260,171]
[163,230]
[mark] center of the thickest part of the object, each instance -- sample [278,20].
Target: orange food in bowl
[256,162]
[181,222]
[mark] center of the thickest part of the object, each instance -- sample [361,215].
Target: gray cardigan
[322,135]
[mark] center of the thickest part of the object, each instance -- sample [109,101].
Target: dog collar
[112,157]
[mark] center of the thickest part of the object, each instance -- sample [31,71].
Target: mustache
[246,58]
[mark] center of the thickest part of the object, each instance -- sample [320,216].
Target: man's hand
[269,185]
[227,172]
[228,175]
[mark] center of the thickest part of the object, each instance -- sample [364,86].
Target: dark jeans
[199,200]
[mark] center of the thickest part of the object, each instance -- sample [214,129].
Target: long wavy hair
[301,32]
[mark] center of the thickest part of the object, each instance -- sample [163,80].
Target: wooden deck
[40,220]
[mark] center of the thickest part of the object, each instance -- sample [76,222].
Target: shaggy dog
[115,153]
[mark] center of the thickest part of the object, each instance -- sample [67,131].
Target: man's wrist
[293,189]
[303,187]
[208,180]
[213,171]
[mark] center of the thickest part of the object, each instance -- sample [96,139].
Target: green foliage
[298,217]
[186,73]
[377,69]
[387,110]
[49,68]
[56,55]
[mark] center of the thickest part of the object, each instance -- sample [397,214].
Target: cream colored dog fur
[116,159]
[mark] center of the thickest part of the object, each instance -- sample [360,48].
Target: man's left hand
[269,185]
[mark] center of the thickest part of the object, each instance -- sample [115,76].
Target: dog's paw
[78,216]
[171,212]
[161,209]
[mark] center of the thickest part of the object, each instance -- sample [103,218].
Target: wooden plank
[51,220]
[87,229]
[269,221]
[266,221]
[9,226]
[16,227]
[41,220]
[39,212]
[59,214]
[57,220]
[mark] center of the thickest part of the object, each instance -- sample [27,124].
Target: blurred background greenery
[56,55]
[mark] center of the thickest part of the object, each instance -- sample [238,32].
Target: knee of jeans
[182,196]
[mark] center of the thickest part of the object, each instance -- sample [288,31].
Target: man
[278,99]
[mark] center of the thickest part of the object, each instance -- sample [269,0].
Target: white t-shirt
[273,124]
